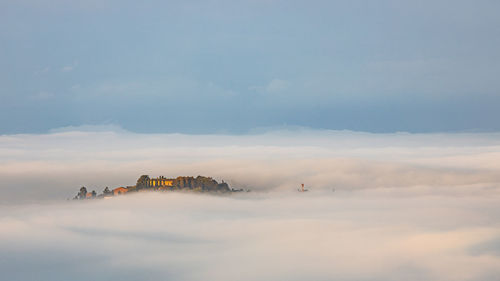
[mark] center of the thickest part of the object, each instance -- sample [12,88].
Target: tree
[224,187]
[143,182]
[106,191]
[83,193]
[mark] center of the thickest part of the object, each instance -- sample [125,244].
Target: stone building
[160,181]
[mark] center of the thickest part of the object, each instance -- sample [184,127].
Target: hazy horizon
[56,165]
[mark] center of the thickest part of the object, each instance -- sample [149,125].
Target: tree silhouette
[142,182]
[106,191]
[83,193]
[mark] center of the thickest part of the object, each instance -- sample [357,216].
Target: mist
[54,166]
[380,206]
[366,235]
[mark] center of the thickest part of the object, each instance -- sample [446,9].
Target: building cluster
[161,183]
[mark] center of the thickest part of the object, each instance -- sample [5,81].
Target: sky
[231,67]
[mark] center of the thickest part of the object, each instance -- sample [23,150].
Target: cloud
[43,70]
[90,128]
[69,68]
[165,89]
[42,95]
[277,86]
[274,236]
[54,165]
[380,206]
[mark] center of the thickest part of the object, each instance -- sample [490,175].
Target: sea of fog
[379,207]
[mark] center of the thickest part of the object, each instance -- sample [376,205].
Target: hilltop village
[145,183]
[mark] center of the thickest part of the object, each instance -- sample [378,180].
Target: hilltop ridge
[161,183]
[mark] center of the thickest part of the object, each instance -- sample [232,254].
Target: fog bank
[380,207]
[54,166]
[366,235]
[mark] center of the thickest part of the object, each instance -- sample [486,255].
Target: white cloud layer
[54,166]
[404,207]
[367,235]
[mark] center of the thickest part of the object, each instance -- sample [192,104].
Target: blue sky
[234,66]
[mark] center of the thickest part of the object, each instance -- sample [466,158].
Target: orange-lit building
[119,190]
[160,181]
